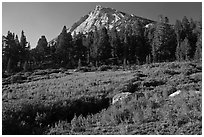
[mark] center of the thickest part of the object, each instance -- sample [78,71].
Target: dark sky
[48,19]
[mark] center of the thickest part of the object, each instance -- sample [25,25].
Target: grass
[67,102]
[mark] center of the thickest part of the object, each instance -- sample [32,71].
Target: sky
[48,18]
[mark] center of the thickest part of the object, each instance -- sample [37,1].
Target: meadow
[64,101]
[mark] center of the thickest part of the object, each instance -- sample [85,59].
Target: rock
[190,92]
[120,96]
[175,93]
[193,92]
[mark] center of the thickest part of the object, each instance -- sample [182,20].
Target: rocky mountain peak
[103,16]
[98,8]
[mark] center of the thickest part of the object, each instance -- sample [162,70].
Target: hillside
[64,101]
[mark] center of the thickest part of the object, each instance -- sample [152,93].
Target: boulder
[194,92]
[120,96]
[175,93]
[190,92]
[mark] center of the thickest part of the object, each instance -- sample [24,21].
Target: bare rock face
[104,16]
[120,96]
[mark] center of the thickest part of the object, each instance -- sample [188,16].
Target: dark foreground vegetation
[63,101]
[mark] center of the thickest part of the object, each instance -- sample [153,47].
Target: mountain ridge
[103,16]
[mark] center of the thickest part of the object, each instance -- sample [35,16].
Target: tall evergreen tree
[198,31]
[193,37]
[186,27]
[10,52]
[79,49]
[104,48]
[116,45]
[125,47]
[162,42]
[178,30]
[94,47]
[148,38]
[64,48]
[198,52]
[88,43]
[24,49]
[185,49]
[42,48]
[138,47]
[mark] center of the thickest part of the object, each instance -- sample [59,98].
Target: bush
[17,78]
[82,69]
[78,124]
[129,110]
[153,82]
[191,128]
[25,116]
[171,72]
[59,128]
[104,68]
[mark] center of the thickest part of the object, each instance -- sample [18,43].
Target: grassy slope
[69,86]
[49,104]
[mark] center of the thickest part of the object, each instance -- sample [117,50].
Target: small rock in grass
[120,96]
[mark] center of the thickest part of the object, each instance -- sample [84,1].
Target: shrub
[78,124]
[191,128]
[153,82]
[25,66]
[83,69]
[104,68]
[59,128]
[18,78]
[171,72]
[31,114]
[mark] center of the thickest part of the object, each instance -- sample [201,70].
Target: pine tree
[148,38]
[125,49]
[25,66]
[24,49]
[178,30]
[116,45]
[9,66]
[94,47]
[186,28]
[191,35]
[185,49]
[64,48]
[104,48]
[138,47]
[79,49]
[42,46]
[198,52]
[88,43]
[10,52]
[198,31]
[163,45]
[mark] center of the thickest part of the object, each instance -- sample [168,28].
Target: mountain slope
[107,17]
[102,16]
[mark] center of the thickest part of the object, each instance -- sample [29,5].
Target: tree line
[132,44]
